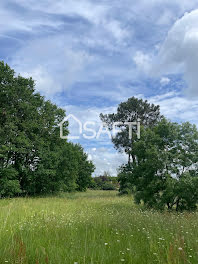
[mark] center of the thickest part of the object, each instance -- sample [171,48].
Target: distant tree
[165,172]
[130,111]
[104,182]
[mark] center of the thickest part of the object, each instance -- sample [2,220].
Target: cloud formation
[176,107]
[179,51]
[142,61]
[53,64]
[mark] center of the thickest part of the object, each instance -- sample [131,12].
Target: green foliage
[124,178]
[9,184]
[104,182]
[108,186]
[165,171]
[130,111]
[30,144]
[75,169]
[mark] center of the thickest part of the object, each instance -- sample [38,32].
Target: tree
[130,111]
[165,171]
[75,169]
[31,148]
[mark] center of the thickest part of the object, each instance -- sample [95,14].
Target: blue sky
[88,56]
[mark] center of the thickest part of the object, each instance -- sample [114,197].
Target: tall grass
[94,227]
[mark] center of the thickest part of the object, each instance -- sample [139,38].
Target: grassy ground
[93,227]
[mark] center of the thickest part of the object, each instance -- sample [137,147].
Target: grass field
[93,227]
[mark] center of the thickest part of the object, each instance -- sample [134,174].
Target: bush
[108,186]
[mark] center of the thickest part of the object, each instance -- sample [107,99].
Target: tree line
[34,159]
[162,168]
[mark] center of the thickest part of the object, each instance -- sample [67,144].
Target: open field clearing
[93,227]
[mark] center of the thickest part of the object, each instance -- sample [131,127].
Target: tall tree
[130,111]
[30,146]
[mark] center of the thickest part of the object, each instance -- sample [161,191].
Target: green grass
[94,227]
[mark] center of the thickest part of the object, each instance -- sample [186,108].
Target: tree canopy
[165,171]
[130,111]
[32,152]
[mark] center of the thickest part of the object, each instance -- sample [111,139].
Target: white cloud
[177,108]
[97,14]
[163,12]
[43,80]
[166,17]
[142,61]
[52,63]
[116,29]
[179,51]
[11,21]
[165,81]
[86,9]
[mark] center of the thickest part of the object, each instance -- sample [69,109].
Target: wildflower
[122,260]
[128,249]
[106,244]
[118,240]
[180,248]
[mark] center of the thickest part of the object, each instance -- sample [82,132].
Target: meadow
[94,227]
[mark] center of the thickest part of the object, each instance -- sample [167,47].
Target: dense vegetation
[94,227]
[33,157]
[104,182]
[163,170]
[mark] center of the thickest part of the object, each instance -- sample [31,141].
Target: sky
[87,56]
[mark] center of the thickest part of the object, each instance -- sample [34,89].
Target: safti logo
[103,129]
[77,121]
